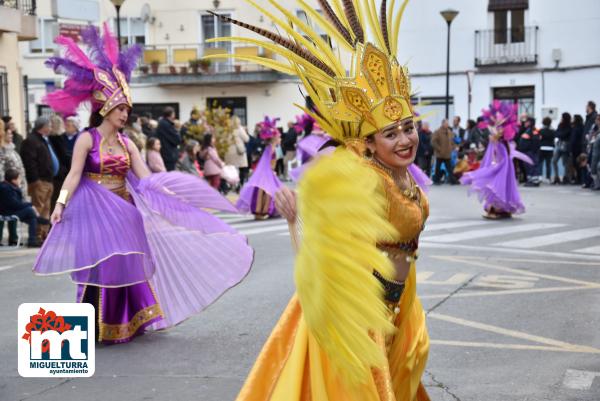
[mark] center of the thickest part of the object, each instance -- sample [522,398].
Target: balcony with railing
[19,16]
[182,64]
[500,47]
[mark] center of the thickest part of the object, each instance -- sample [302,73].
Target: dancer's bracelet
[63,197]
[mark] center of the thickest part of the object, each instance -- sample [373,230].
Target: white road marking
[489,232]
[455,224]
[257,224]
[495,249]
[593,249]
[2,268]
[253,231]
[506,282]
[552,239]
[237,220]
[579,379]
[456,279]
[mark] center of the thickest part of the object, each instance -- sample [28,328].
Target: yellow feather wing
[344,213]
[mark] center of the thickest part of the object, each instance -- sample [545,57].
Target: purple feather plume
[128,59]
[91,37]
[501,115]
[72,70]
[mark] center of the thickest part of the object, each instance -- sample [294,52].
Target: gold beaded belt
[106,179]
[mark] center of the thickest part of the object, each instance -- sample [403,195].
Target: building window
[133,31]
[155,110]
[4,110]
[506,21]
[517,26]
[48,30]
[213,27]
[523,96]
[500,27]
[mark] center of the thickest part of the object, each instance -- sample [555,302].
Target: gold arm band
[63,197]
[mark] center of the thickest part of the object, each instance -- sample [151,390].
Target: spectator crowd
[34,167]
[224,152]
[567,153]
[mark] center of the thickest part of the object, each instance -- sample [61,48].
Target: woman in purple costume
[256,196]
[139,245]
[495,180]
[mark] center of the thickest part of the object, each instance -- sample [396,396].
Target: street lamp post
[118,4]
[448,16]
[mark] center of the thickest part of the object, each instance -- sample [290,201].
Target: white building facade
[542,54]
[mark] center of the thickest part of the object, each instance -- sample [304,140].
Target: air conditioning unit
[548,111]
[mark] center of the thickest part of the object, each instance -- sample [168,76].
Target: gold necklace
[412,192]
[110,148]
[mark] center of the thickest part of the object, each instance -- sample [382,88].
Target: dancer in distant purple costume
[256,196]
[495,180]
[139,245]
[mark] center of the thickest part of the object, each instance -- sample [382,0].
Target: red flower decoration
[45,321]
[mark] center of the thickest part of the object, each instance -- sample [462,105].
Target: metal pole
[118,26]
[448,74]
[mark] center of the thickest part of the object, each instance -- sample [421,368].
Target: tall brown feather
[383,23]
[280,40]
[353,21]
[333,18]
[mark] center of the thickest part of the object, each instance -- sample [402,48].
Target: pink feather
[111,47]
[64,103]
[74,53]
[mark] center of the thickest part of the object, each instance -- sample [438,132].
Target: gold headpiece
[372,95]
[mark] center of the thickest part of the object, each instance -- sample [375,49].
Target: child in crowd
[12,204]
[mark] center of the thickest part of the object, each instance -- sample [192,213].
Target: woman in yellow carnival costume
[356,330]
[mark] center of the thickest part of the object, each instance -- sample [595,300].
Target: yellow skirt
[292,366]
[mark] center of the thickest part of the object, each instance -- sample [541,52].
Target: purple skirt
[262,183]
[153,261]
[121,313]
[495,181]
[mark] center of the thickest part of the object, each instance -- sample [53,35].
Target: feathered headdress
[101,76]
[303,121]
[501,116]
[372,95]
[268,128]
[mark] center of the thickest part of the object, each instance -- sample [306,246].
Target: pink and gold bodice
[107,169]
[102,163]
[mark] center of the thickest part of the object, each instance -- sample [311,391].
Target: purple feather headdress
[100,77]
[268,128]
[501,115]
[302,121]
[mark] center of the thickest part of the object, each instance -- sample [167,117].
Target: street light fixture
[118,4]
[448,16]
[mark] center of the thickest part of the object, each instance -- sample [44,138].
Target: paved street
[513,311]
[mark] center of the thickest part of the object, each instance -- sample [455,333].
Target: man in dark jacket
[12,204]
[590,118]
[288,145]
[547,136]
[529,143]
[41,166]
[169,138]
[424,150]
[63,145]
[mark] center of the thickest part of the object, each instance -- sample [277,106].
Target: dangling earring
[368,154]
